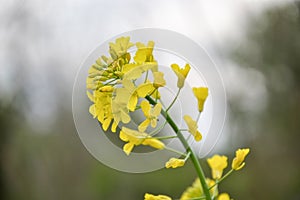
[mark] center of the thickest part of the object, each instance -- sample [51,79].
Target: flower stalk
[193,156]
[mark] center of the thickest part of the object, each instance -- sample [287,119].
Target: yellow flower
[238,162]
[174,163]
[151,115]
[192,125]
[201,94]
[181,73]
[102,107]
[224,196]
[156,197]
[196,191]
[135,71]
[119,108]
[133,92]
[135,138]
[121,46]
[144,53]
[159,80]
[217,164]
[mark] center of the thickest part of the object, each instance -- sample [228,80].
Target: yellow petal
[217,164]
[92,110]
[90,96]
[201,94]
[106,124]
[114,127]
[156,110]
[192,126]
[143,126]
[174,163]
[123,136]
[137,72]
[224,196]
[125,118]
[155,143]
[127,148]
[132,102]
[144,89]
[181,73]
[121,45]
[238,161]
[159,80]
[198,136]
[145,105]
[156,197]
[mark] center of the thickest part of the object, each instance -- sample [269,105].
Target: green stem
[193,157]
[175,151]
[158,129]
[221,179]
[173,100]
[166,137]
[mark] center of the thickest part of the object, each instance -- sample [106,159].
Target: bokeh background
[256,45]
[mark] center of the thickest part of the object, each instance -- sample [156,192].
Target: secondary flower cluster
[217,164]
[123,83]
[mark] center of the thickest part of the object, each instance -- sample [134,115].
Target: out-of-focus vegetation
[272,47]
[51,163]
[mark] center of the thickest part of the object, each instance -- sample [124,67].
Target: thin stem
[174,100]
[193,157]
[187,156]
[198,117]
[158,129]
[175,151]
[146,77]
[166,137]
[221,179]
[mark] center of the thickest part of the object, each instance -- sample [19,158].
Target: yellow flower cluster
[196,191]
[118,85]
[115,92]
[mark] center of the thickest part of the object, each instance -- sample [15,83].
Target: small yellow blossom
[238,162]
[121,46]
[224,196]
[217,164]
[201,94]
[174,163]
[101,109]
[196,191]
[144,53]
[135,138]
[192,126]
[156,197]
[151,115]
[136,71]
[132,93]
[159,80]
[181,73]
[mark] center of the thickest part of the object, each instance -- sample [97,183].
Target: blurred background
[256,45]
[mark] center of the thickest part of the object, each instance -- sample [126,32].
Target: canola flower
[124,83]
[151,115]
[136,138]
[217,164]
[193,127]
[238,162]
[156,197]
[174,163]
